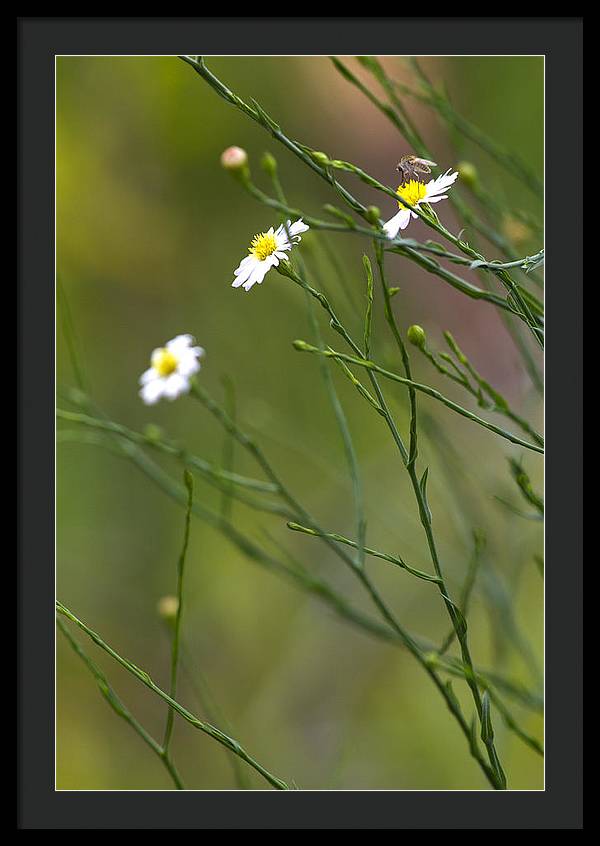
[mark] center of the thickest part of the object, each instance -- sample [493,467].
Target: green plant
[506,286]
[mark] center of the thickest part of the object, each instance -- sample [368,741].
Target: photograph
[299,443]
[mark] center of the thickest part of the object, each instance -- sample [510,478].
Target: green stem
[393,559]
[316,586]
[302,346]
[325,171]
[189,483]
[419,488]
[499,403]
[118,707]
[142,676]
[199,393]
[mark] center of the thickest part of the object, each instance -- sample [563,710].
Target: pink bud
[234,158]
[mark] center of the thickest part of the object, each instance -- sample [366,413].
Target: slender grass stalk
[420,490]
[468,585]
[385,556]
[494,775]
[201,690]
[484,393]
[341,420]
[425,651]
[68,327]
[146,680]
[222,479]
[319,588]
[518,300]
[338,271]
[524,484]
[303,346]
[119,708]
[469,514]
[189,484]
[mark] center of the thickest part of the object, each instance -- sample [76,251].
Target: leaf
[487,730]
[423,488]
[267,121]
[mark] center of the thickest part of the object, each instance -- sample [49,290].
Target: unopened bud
[416,335]
[468,173]
[234,158]
[320,158]
[167,608]
[153,432]
[373,214]
[515,230]
[269,164]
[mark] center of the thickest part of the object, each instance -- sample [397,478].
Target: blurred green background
[150,229]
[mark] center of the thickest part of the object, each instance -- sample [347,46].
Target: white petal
[289,231]
[440,184]
[282,240]
[397,222]
[259,274]
[188,362]
[147,375]
[152,391]
[179,345]
[245,262]
[242,274]
[188,365]
[175,385]
[298,227]
[437,199]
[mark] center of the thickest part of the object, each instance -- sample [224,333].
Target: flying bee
[411,167]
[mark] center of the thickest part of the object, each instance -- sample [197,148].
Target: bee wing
[426,162]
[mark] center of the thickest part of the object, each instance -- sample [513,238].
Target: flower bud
[269,164]
[153,432]
[167,608]
[468,173]
[515,230]
[416,335]
[234,159]
[373,215]
[320,158]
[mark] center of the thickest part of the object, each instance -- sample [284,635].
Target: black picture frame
[40,806]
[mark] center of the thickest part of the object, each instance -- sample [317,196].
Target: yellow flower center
[263,245]
[412,192]
[164,362]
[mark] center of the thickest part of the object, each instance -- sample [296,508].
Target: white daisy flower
[415,193]
[266,250]
[172,367]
